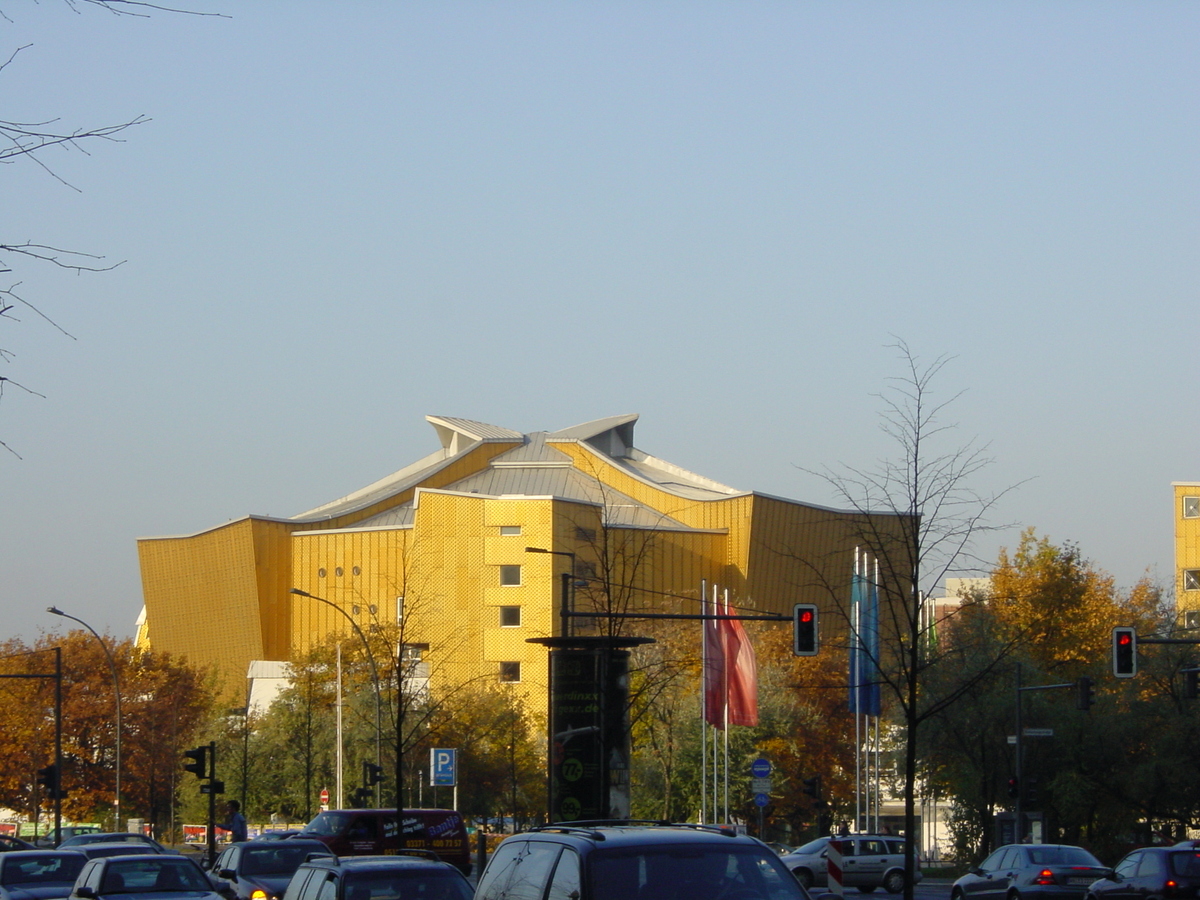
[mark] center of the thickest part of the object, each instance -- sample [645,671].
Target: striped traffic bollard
[833,866]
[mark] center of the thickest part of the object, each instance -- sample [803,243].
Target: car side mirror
[976,870]
[84,891]
[228,874]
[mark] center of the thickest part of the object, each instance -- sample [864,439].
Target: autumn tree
[163,702]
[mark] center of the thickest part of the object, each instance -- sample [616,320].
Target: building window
[320,573]
[510,529]
[413,653]
[1191,579]
[1191,619]
[510,576]
[338,572]
[1191,507]
[399,610]
[585,535]
[510,672]
[510,616]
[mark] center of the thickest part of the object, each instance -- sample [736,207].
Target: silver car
[869,861]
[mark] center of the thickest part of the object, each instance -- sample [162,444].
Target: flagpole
[703,704]
[856,662]
[726,741]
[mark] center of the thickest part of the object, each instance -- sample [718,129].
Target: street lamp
[370,659]
[565,612]
[112,665]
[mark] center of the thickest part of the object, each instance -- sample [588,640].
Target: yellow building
[1187,552]
[440,547]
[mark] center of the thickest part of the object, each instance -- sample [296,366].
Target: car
[1015,871]
[407,874]
[633,860]
[38,874]
[261,870]
[95,851]
[8,842]
[1152,873]
[53,838]
[152,876]
[869,861]
[121,837]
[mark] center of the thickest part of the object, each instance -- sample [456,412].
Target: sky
[343,217]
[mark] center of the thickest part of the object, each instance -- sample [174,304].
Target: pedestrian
[236,824]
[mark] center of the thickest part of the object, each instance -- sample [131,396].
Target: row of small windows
[338,571]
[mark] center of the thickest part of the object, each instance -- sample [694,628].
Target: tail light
[1170,888]
[1044,877]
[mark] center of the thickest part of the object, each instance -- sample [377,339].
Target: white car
[869,861]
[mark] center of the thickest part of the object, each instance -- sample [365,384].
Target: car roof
[637,834]
[403,861]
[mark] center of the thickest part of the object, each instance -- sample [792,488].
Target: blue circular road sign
[760,768]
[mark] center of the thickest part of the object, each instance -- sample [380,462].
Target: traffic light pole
[1019,810]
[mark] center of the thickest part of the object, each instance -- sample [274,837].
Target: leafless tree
[918,516]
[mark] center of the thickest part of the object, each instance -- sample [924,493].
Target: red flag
[714,670]
[742,672]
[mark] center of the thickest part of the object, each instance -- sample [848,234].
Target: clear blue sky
[345,216]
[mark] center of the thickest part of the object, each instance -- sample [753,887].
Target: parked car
[1015,871]
[53,838]
[635,861]
[367,832]
[38,874]
[95,851]
[261,870]
[152,876]
[869,861]
[122,837]
[8,842]
[1152,873]
[409,874]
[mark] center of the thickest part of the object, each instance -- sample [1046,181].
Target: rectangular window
[1191,579]
[1191,507]
[1191,619]
[510,616]
[399,610]
[510,529]
[510,672]
[510,576]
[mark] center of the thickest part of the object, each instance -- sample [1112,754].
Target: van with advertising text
[371,832]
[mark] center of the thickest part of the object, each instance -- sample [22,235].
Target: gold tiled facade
[440,548]
[1187,552]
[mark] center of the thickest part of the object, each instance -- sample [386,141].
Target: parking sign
[443,767]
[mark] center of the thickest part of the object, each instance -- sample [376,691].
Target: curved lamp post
[370,659]
[112,665]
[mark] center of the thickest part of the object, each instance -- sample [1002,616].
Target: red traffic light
[1124,651]
[804,630]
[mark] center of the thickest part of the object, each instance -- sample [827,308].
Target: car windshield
[698,873]
[328,824]
[138,876]
[427,882]
[1187,863]
[34,869]
[281,859]
[1061,856]
[813,846]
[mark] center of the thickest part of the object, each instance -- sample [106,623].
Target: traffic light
[1014,788]
[804,630]
[1031,789]
[1191,682]
[199,764]
[372,774]
[1085,693]
[1124,641]
[361,798]
[812,787]
[50,781]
